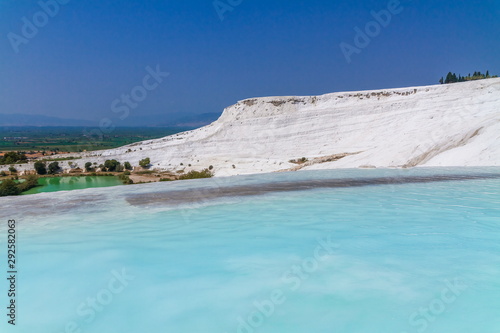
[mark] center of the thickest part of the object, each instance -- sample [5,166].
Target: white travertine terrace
[444,125]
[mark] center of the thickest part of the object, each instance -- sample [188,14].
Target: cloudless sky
[94,51]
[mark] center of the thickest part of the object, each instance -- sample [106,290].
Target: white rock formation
[444,125]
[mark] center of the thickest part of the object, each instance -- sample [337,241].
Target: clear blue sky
[91,52]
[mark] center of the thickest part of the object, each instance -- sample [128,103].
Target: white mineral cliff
[444,125]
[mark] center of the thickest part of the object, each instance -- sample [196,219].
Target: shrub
[125,179]
[54,168]
[12,169]
[112,165]
[127,165]
[31,181]
[40,168]
[145,162]
[12,157]
[88,166]
[206,173]
[9,187]
[126,173]
[3,173]
[211,167]
[299,160]
[145,172]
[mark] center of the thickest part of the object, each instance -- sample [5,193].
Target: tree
[9,187]
[449,78]
[12,169]
[31,181]
[127,166]
[441,80]
[12,157]
[112,165]
[40,167]
[54,168]
[145,162]
[487,74]
[88,166]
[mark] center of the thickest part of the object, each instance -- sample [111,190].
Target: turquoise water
[55,184]
[406,257]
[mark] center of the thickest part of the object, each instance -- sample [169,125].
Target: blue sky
[90,53]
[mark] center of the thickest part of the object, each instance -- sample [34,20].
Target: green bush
[125,179]
[145,162]
[12,169]
[60,159]
[112,165]
[40,168]
[145,172]
[12,157]
[9,187]
[127,165]
[54,168]
[88,167]
[31,182]
[206,173]
[126,173]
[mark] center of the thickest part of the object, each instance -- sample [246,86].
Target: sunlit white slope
[443,125]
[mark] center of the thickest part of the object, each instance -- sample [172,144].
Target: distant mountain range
[158,120]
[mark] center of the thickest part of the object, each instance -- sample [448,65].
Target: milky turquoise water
[55,184]
[409,257]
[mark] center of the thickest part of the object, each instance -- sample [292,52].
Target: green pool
[73,183]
